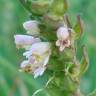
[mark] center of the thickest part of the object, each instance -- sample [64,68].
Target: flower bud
[31,27]
[63,33]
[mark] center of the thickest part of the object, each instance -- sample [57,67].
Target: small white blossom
[25,41]
[38,57]
[31,27]
[63,38]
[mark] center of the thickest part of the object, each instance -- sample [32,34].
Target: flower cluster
[37,52]
[51,43]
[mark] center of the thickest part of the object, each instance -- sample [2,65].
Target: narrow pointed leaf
[85,62]
[78,27]
[66,20]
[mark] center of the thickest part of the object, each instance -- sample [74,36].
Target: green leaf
[67,21]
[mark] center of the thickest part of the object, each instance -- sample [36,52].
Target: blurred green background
[12,15]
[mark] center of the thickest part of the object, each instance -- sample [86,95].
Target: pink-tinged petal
[68,43]
[40,48]
[46,60]
[42,71]
[23,40]
[24,63]
[27,54]
[31,60]
[39,72]
[58,43]
[62,47]
[62,33]
[31,27]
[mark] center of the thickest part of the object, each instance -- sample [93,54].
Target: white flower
[25,41]
[31,27]
[63,38]
[38,57]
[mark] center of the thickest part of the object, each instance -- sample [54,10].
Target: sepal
[78,28]
[85,62]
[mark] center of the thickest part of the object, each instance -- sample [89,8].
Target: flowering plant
[50,47]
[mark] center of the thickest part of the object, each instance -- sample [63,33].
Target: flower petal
[25,40]
[68,43]
[39,72]
[28,25]
[46,60]
[62,48]
[58,43]
[27,54]
[40,48]
[31,60]
[24,63]
[32,27]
